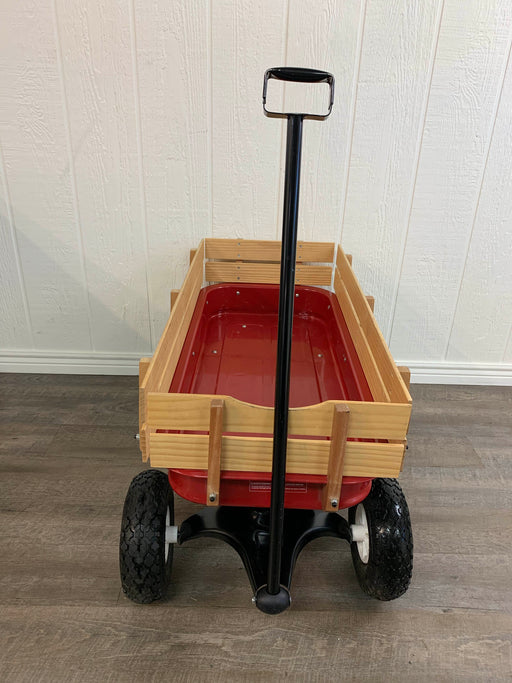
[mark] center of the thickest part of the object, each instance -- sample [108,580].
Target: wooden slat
[192,254]
[336,463]
[405,374]
[214,451]
[165,358]
[368,362]
[224,271]
[263,250]
[371,302]
[254,454]
[174,296]
[191,412]
[349,258]
[143,368]
[395,387]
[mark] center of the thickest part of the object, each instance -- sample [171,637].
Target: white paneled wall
[129,130]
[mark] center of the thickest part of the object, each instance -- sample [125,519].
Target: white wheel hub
[360,534]
[171,533]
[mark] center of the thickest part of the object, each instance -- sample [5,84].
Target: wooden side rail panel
[225,271]
[163,364]
[191,412]
[266,250]
[254,454]
[384,362]
[259,261]
[366,357]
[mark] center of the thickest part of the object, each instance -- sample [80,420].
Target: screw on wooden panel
[214,351]
[334,503]
[320,355]
[213,497]
[237,293]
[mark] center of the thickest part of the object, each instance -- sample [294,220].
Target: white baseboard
[71,362]
[100,363]
[447,372]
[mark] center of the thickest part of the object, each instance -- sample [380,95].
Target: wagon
[208,402]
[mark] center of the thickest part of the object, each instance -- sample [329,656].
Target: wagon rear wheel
[145,559]
[382,546]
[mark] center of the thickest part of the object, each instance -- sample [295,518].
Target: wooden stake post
[339,434]
[214,451]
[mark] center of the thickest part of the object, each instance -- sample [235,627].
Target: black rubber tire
[145,573]
[387,574]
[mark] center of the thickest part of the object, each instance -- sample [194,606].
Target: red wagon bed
[231,349]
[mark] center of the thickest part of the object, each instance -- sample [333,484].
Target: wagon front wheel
[382,546]
[145,558]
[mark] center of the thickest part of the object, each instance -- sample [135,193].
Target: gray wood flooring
[67,455]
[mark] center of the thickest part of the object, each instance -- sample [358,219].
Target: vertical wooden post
[371,301]
[214,451]
[405,374]
[339,433]
[174,296]
[143,368]
[143,432]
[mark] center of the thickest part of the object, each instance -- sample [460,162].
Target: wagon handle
[274,597]
[298,75]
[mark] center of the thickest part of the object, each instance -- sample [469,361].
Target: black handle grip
[294,73]
[298,75]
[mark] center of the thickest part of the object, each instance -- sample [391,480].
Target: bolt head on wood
[334,502]
[213,497]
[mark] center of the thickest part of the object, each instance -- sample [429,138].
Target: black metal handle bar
[298,75]
[273,596]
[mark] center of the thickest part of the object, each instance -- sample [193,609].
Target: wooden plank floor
[67,455]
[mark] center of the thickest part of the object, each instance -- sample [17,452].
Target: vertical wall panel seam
[479,195]
[355,84]
[278,208]
[419,146]
[209,114]
[507,340]
[72,173]
[14,239]
[140,160]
